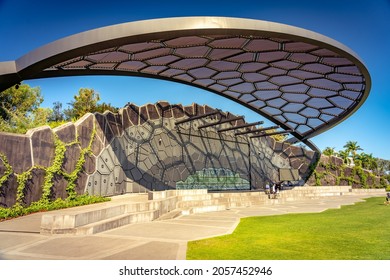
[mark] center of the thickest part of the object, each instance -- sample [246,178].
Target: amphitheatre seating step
[106,224]
[170,215]
[173,203]
[203,209]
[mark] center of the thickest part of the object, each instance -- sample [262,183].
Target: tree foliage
[86,101]
[350,155]
[352,147]
[20,109]
[329,151]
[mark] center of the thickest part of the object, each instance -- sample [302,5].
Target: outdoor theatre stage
[304,82]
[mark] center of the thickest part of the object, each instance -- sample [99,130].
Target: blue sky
[363,26]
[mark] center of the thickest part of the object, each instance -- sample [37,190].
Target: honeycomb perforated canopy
[298,79]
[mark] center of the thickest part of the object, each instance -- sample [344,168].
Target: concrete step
[203,209]
[106,224]
[196,203]
[170,215]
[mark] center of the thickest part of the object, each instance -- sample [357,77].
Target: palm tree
[328,151]
[368,161]
[352,147]
[344,155]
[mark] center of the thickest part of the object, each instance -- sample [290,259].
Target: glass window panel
[284,80]
[272,71]
[252,67]
[217,54]
[204,82]
[140,47]
[228,43]
[260,45]
[151,54]
[293,107]
[272,111]
[186,41]
[254,77]
[304,74]
[296,118]
[337,61]
[244,57]
[163,60]
[189,63]
[299,47]
[318,103]
[324,83]
[317,92]
[257,104]
[271,56]
[192,52]
[153,69]
[298,88]
[227,75]
[277,103]
[229,82]
[243,87]
[303,57]
[317,68]
[267,94]
[342,102]
[295,97]
[223,65]
[266,85]
[131,65]
[202,73]
[310,112]
[285,64]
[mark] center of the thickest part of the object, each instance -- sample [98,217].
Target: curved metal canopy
[298,79]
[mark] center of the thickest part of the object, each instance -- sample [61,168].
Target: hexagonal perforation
[291,81]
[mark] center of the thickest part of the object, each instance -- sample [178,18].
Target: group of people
[273,190]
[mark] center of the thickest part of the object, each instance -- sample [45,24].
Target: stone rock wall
[331,171]
[136,150]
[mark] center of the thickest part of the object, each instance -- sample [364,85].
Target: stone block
[189,110]
[33,187]
[143,115]
[59,187]
[178,111]
[114,122]
[72,155]
[336,160]
[8,192]
[152,112]
[90,164]
[108,135]
[42,142]
[84,128]
[126,122]
[81,183]
[198,109]
[17,149]
[66,132]
[133,112]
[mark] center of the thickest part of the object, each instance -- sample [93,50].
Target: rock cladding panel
[150,151]
[137,150]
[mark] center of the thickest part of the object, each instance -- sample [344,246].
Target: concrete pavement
[157,240]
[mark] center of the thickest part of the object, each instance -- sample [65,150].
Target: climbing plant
[8,170]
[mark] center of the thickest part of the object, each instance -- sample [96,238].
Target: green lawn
[356,232]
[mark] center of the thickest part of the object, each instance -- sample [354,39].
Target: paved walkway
[158,240]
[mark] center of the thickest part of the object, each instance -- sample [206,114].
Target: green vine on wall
[50,172]
[54,169]
[74,175]
[357,171]
[8,170]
